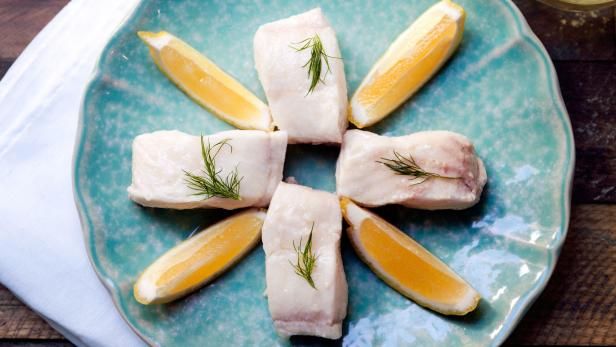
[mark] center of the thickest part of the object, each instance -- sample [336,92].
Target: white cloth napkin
[42,254]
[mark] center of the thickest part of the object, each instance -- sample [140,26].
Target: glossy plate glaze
[500,90]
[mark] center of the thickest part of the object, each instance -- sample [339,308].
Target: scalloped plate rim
[83,212]
[524,32]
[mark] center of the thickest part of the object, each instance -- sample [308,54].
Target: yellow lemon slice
[408,63]
[405,265]
[206,83]
[199,259]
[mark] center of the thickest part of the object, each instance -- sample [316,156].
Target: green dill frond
[408,167]
[315,62]
[306,259]
[210,183]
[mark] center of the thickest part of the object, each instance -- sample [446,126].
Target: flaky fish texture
[295,306]
[161,158]
[362,176]
[319,116]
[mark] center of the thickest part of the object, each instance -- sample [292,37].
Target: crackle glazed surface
[499,90]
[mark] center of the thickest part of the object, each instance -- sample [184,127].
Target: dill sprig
[306,260]
[211,184]
[408,167]
[315,62]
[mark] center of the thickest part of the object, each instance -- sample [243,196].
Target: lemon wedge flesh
[199,259]
[405,265]
[408,63]
[206,83]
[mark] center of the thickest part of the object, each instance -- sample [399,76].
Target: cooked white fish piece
[296,307]
[362,176]
[160,159]
[319,116]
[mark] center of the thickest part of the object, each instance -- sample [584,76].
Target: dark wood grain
[18,321]
[572,35]
[21,20]
[34,343]
[589,91]
[578,305]
[583,47]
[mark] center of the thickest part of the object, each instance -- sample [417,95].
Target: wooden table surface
[578,306]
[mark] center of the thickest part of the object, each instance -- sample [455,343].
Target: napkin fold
[42,255]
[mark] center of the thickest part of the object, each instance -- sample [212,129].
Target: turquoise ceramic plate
[500,90]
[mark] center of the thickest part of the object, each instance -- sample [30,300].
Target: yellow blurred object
[408,63]
[206,83]
[579,5]
[405,265]
[199,259]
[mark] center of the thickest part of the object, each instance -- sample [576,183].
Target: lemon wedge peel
[204,82]
[409,62]
[405,265]
[199,259]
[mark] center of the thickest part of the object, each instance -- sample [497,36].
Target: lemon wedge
[206,83]
[199,259]
[408,63]
[405,265]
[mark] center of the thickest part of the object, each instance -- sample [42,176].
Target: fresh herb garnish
[315,62]
[306,260]
[211,184]
[408,167]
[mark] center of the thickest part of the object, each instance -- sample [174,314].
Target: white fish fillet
[159,159]
[316,117]
[296,307]
[361,178]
